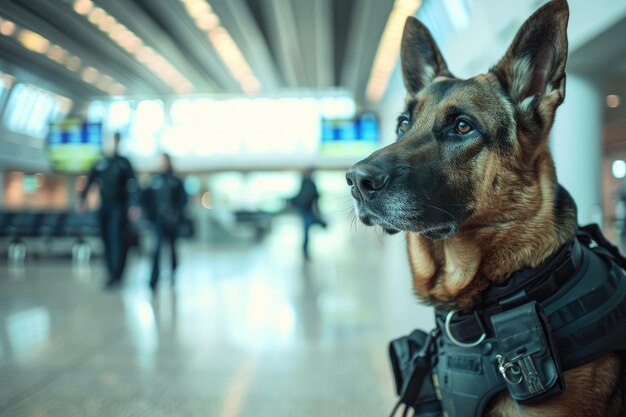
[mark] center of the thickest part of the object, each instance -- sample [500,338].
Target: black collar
[529,284]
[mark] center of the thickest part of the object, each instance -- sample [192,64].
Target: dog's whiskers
[442,210]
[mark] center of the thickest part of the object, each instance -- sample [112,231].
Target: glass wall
[30,110]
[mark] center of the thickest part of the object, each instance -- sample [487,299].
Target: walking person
[166,200]
[306,202]
[119,203]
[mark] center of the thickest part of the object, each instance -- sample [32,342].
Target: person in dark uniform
[306,202]
[165,202]
[119,203]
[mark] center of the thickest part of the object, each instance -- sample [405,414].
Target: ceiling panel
[298,44]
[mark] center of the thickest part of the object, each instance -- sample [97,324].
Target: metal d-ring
[455,340]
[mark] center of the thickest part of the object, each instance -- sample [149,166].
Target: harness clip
[533,371]
[520,369]
[456,341]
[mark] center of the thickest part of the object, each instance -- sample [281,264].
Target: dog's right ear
[533,68]
[420,57]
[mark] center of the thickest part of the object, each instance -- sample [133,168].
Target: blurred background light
[83,7]
[206,200]
[7,27]
[192,184]
[618,168]
[33,41]
[119,114]
[73,63]
[613,101]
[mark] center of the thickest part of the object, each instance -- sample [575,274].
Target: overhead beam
[92,48]
[365,32]
[136,20]
[324,35]
[246,32]
[284,36]
[193,43]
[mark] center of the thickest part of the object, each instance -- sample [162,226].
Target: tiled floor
[248,331]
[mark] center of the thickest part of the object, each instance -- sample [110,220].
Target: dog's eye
[403,126]
[463,127]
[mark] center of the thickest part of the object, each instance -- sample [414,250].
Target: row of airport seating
[21,231]
[16,226]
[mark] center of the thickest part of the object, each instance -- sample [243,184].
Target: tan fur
[512,227]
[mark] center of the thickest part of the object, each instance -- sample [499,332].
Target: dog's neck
[454,272]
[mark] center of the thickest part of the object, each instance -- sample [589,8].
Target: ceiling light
[73,63]
[96,15]
[207,21]
[57,54]
[613,101]
[104,83]
[7,28]
[131,43]
[89,75]
[144,54]
[227,49]
[116,30]
[198,8]
[83,6]
[33,41]
[218,34]
[107,23]
[389,48]
[117,89]
[193,4]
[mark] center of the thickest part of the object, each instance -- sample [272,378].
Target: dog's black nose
[367,179]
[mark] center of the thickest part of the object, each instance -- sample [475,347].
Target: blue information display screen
[74,145]
[350,136]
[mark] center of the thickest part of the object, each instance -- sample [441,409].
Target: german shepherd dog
[471,181]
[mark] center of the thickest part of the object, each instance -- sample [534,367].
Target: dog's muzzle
[366,181]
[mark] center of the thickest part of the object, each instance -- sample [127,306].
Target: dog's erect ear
[533,69]
[421,59]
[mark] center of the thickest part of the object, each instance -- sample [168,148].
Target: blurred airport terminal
[247,97]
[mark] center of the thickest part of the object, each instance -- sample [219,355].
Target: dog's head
[466,148]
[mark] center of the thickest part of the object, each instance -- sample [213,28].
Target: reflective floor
[246,331]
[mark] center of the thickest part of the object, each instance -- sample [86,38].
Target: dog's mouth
[413,222]
[370,220]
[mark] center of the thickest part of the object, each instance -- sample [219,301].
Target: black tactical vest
[567,312]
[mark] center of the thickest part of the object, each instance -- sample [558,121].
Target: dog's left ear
[533,69]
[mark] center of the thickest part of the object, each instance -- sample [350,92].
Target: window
[6,81]
[97,111]
[146,126]
[30,110]
[260,126]
[119,115]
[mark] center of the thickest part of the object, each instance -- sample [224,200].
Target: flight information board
[350,136]
[73,145]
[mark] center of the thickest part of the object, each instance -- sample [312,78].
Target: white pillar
[1,189]
[577,146]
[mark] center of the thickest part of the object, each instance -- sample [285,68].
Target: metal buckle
[510,367]
[523,368]
[454,339]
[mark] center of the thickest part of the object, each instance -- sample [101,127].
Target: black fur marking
[442,89]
